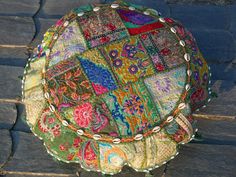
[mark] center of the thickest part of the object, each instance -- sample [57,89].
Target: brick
[202,16]
[8,114]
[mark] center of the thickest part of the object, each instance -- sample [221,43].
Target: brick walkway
[214,26]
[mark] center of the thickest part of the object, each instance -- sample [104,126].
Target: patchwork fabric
[102,27]
[169,48]
[97,71]
[153,51]
[112,85]
[69,88]
[137,22]
[166,89]
[70,42]
[129,60]
[132,108]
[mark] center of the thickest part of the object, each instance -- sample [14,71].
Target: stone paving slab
[216,45]
[16,30]
[42,26]
[223,71]
[8,114]
[198,160]
[5,146]
[217,132]
[202,16]
[19,8]
[13,56]
[57,8]
[30,156]
[224,104]
[10,84]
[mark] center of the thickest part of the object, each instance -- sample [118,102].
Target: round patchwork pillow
[114,85]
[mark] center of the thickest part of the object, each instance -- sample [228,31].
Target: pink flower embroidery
[83,114]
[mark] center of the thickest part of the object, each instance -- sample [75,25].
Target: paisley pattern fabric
[113,86]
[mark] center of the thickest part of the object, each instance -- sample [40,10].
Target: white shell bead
[156,129]
[52,108]
[182,43]
[114,6]
[131,8]
[209,100]
[187,87]
[46,95]
[162,20]
[47,52]
[43,81]
[170,119]
[116,141]
[96,136]
[173,30]
[182,106]
[80,132]
[187,57]
[95,9]
[80,14]
[66,23]
[138,137]
[189,72]
[55,36]
[65,123]
[146,13]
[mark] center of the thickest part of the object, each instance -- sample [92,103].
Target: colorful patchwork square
[166,89]
[68,43]
[137,22]
[152,50]
[102,27]
[93,116]
[169,48]
[69,88]
[129,60]
[98,72]
[132,108]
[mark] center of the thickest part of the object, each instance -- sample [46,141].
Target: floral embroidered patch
[132,108]
[129,60]
[70,42]
[102,27]
[98,72]
[166,89]
[69,88]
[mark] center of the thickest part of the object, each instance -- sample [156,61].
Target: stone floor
[214,26]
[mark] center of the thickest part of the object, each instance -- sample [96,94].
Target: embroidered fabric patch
[132,108]
[129,60]
[97,71]
[102,27]
[166,89]
[69,43]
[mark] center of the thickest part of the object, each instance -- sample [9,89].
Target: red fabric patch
[145,28]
